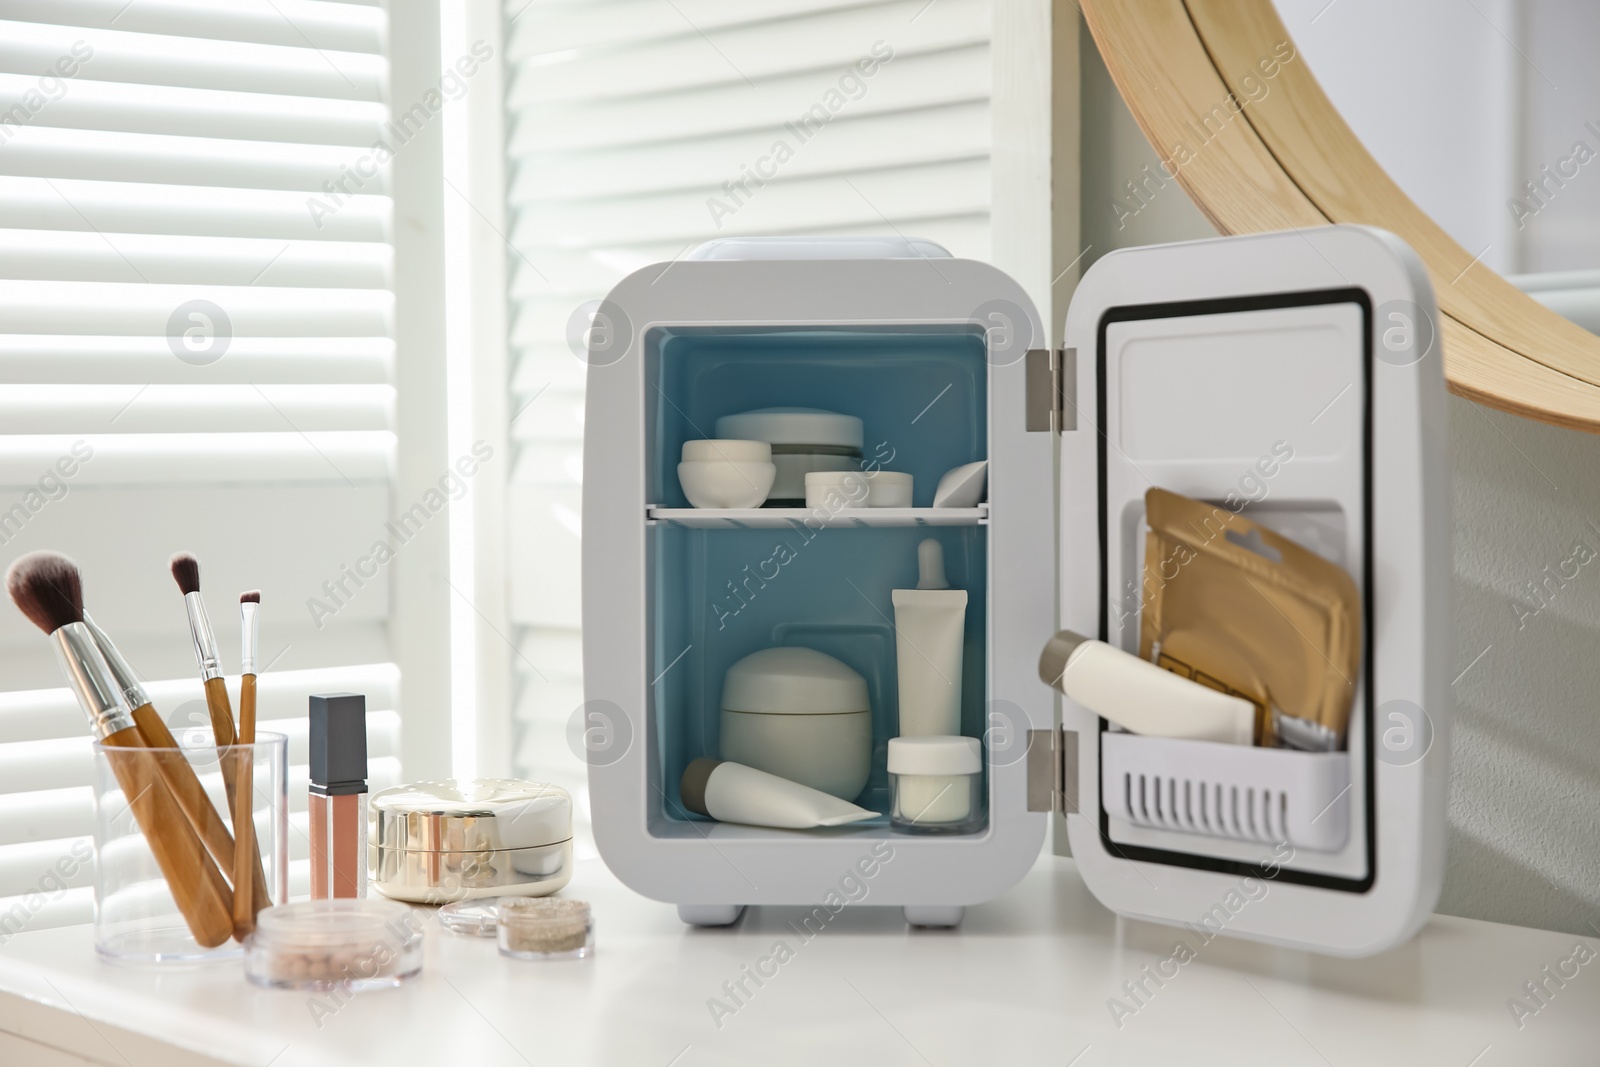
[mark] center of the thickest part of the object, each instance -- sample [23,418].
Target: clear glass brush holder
[137,917]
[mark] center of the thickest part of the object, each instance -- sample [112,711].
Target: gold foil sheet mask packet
[1237,607]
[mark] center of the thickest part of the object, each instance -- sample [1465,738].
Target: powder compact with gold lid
[443,841]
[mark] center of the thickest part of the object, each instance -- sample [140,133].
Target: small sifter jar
[343,944]
[545,928]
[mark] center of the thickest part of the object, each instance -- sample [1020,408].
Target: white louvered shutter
[625,120]
[161,171]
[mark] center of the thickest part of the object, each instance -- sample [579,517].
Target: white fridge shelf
[739,518]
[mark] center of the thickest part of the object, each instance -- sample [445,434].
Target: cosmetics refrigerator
[1195,367]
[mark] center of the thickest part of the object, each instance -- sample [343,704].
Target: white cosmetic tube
[928,625]
[1141,697]
[732,792]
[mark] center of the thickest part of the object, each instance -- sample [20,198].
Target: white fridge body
[674,596]
[1184,365]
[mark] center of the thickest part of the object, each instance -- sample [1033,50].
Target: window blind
[634,128]
[196,353]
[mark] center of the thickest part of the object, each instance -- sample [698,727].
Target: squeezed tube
[1139,696]
[928,625]
[732,792]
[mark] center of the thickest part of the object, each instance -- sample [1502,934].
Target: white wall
[1441,97]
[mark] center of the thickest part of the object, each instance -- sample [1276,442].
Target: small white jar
[839,490]
[935,784]
[722,473]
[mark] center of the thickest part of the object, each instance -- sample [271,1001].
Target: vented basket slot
[1237,792]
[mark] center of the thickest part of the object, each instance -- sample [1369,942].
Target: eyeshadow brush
[244,828]
[46,586]
[186,572]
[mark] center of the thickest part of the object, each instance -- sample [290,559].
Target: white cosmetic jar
[803,440]
[726,473]
[799,714]
[840,490]
[935,784]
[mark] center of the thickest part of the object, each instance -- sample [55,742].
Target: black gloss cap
[338,744]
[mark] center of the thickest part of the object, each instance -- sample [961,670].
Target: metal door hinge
[1053,771]
[1052,381]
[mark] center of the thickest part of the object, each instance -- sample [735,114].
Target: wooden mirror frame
[1192,72]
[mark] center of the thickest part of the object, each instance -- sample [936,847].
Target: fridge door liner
[1255,406]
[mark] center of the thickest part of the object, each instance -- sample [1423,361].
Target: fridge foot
[710,914]
[934,914]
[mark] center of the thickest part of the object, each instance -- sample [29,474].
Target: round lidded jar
[802,440]
[435,842]
[726,474]
[935,784]
[832,491]
[552,929]
[802,715]
[348,945]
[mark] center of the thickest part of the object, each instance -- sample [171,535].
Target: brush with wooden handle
[176,770]
[244,827]
[186,572]
[47,588]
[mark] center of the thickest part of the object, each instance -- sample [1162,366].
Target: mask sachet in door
[1237,607]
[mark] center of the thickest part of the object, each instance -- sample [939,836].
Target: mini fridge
[1193,367]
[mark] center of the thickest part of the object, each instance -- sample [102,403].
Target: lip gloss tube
[338,802]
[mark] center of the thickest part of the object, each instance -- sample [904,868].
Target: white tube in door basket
[1139,696]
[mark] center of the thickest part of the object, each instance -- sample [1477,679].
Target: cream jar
[799,714]
[726,474]
[935,784]
[831,491]
[802,440]
[436,842]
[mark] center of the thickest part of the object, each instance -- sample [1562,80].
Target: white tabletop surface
[1026,980]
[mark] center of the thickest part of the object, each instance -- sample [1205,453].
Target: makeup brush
[47,588]
[244,828]
[186,572]
[175,769]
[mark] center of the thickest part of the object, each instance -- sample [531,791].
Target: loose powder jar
[545,929]
[343,944]
[438,842]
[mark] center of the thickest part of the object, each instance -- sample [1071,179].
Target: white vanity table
[1026,979]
